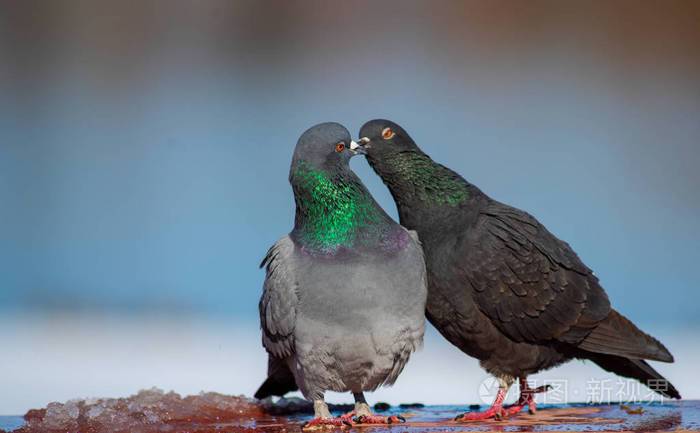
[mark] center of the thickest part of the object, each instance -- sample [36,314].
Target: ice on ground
[140,412]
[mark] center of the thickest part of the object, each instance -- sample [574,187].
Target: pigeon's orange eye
[340,147]
[387,133]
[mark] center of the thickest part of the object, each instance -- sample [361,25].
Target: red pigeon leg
[527,398]
[495,411]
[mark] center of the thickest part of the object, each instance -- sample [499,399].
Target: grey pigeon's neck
[335,212]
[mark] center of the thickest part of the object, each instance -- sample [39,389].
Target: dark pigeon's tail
[616,335]
[280,381]
[618,346]
[637,369]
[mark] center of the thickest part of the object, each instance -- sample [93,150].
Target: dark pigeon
[502,288]
[344,296]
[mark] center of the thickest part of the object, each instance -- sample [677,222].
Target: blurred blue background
[145,146]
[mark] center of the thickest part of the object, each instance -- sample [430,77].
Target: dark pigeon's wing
[531,285]
[279,300]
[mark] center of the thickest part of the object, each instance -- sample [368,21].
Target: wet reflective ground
[670,416]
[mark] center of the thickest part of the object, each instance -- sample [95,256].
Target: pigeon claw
[494,412]
[396,419]
[376,419]
[321,423]
[527,398]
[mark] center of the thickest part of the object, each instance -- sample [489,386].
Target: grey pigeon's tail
[616,335]
[280,381]
[637,369]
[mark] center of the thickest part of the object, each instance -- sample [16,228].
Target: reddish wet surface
[154,411]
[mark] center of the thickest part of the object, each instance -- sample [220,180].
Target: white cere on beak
[353,145]
[364,140]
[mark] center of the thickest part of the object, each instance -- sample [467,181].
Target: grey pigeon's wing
[530,284]
[279,299]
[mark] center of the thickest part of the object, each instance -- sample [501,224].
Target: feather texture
[529,283]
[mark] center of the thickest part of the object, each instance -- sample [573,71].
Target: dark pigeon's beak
[361,146]
[357,149]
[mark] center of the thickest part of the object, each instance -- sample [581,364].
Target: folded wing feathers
[616,335]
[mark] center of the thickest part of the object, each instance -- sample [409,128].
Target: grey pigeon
[344,297]
[503,288]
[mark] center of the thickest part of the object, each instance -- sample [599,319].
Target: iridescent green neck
[333,212]
[426,180]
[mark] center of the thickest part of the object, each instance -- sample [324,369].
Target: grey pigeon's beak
[356,149]
[364,142]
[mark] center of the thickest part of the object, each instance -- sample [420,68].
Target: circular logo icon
[488,388]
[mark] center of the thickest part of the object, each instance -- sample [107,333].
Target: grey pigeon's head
[383,139]
[327,147]
[334,209]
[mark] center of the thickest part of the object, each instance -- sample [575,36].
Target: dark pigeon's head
[382,138]
[327,147]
